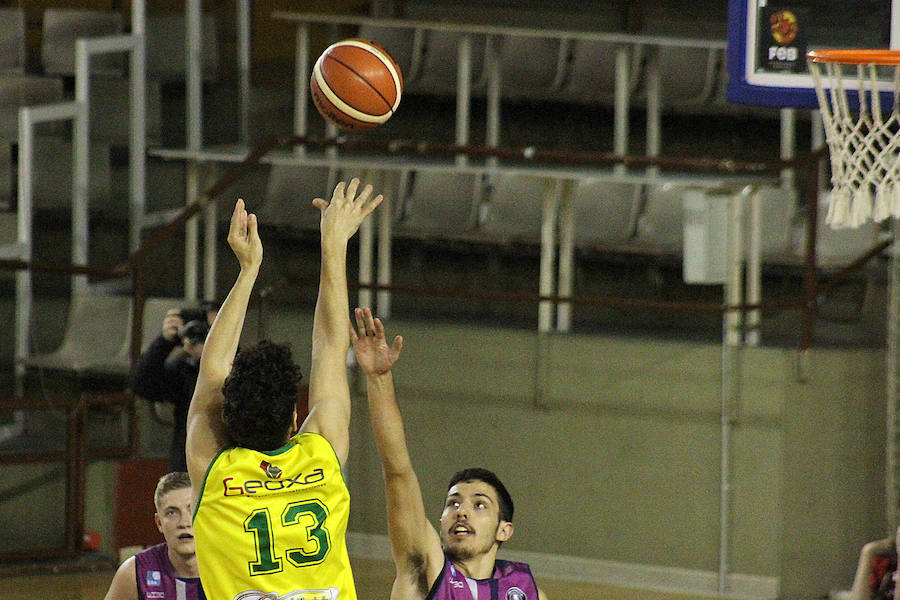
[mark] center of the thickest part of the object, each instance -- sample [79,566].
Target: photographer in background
[167,373]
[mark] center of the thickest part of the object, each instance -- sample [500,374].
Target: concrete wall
[618,457]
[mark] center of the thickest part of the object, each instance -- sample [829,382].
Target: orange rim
[855,57]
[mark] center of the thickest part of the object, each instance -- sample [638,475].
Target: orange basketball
[356,85]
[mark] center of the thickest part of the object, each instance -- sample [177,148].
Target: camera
[194,331]
[196,325]
[192,314]
[198,313]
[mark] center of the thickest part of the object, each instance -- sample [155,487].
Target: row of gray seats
[110,89]
[556,69]
[61,27]
[507,208]
[108,182]
[109,106]
[98,334]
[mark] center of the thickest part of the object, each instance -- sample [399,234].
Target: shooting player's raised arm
[205,429]
[329,391]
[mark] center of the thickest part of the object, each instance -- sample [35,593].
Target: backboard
[768,41]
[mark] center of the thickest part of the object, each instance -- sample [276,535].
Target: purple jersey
[157,580]
[511,581]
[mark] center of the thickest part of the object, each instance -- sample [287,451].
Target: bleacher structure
[605,208]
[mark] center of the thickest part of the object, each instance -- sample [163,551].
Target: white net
[862,128]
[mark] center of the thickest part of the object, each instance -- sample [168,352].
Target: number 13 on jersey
[307,517]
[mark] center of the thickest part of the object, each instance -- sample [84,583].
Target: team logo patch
[270,469]
[515,593]
[154,578]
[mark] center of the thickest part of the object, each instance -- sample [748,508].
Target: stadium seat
[779,207]
[514,208]
[17,91]
[111,111]
[605,212]
[165,47]
[401,43]
[687,76]
[271,111]
[289,193]
[439,204]
[96,338]
[437,75]
[12,40]
[63,26]
[52,173]
[660,226]
[539,75]
[9,236]
[591,74]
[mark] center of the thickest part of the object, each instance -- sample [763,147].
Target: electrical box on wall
[705,237]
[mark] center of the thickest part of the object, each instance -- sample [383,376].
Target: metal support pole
[243,52]
[366,244]
[816,141]
[893,381]
[28,118]
[566,257]
[548,252]
[494,81]
[24,292]
[788,118]
[76,441]
[81,163]
[754,267]
[654,109]
[731,346]
[84,49]
[301,82]
[194,135]
[209,247]
[463,91]
[194,78]
[384,243]
[191,232]
[137,137]
[620,131]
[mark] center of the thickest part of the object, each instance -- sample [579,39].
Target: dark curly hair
[260,395]
[478,474]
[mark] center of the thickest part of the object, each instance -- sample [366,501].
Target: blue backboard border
[741,91]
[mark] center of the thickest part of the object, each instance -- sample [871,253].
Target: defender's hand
[373,354]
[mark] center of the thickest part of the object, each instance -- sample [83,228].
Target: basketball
[356,85]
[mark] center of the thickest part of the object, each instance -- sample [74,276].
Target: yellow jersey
[273,524]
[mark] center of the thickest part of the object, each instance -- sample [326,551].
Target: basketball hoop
[863,140]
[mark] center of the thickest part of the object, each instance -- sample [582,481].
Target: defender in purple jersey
[166,571]
[459,562]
